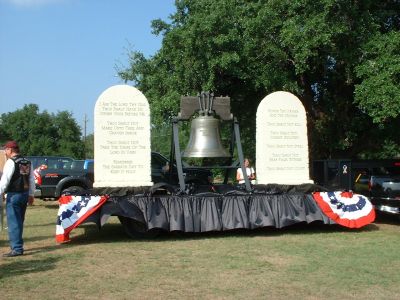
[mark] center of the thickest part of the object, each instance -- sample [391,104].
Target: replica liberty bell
[205,138]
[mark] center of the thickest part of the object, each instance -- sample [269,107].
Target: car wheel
[73,190]
[137,230]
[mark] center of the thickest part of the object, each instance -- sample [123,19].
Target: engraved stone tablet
[122,150]
[282,144]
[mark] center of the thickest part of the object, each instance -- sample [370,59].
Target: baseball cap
[11,144]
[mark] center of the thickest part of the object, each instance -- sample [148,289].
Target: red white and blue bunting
[345,208]
[73,211]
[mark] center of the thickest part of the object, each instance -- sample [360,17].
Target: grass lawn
[300,262]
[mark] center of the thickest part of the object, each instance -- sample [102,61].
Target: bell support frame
[206,104]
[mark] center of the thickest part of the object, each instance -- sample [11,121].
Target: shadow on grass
[3,240]
[319,227]
[55,207]
[295,229]
[109,233]
[115,233]
[41,224]
[13,267]
[36,238]
[45,249]
[29,250]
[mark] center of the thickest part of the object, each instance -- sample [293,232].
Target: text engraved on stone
[284,140]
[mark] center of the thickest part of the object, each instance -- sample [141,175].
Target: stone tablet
[282,143]
[122,150]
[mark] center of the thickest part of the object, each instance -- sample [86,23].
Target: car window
[40,161]
[77,164]
[50,161]
[36,161]
[67,165]
[33,162]
[57,163]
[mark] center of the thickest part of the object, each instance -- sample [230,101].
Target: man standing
[19,184]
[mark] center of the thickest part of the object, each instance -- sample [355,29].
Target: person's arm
[239,175]
[8,171]
[252,174]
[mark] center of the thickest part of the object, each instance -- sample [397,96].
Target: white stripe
[348,201]
[68,222]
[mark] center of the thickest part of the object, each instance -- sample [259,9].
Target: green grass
[300,262]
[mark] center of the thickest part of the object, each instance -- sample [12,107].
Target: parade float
[283,195]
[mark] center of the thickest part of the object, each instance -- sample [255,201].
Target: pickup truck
[78,175]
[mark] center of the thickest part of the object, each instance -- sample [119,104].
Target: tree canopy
[341,58]
[42,133]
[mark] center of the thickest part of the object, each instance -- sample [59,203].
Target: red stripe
[356,223]
[64,200]
[62,238]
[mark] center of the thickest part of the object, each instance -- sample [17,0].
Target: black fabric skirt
[226,209]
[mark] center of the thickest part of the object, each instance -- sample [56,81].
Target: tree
[316,49]
[41,133]
[378,94]
[89,146]
[69,134]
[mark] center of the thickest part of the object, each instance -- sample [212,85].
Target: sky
[62,54]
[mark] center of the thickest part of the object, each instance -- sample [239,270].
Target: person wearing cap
[18,182]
